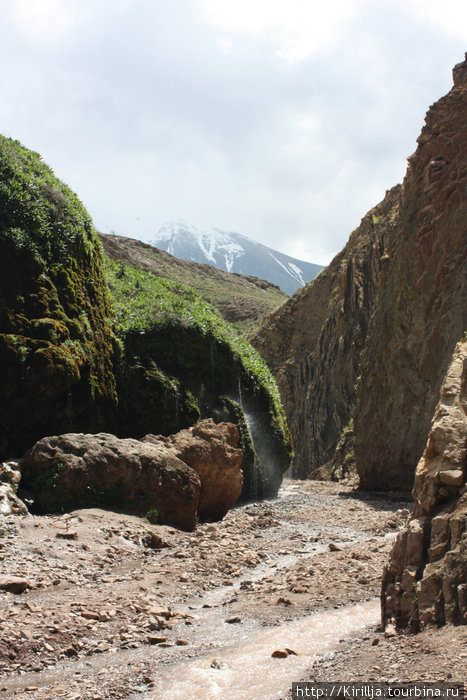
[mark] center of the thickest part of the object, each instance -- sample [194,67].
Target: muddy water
[247,670]
[244,667]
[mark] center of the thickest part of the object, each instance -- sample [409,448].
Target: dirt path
[111,611]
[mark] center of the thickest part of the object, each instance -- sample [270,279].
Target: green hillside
[241,300]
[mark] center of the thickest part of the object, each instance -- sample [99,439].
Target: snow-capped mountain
[233,252]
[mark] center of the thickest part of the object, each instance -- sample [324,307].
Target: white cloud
[296,28]
[284,121]
[449,15]
[43,19]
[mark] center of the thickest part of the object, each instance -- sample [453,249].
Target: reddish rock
[195,473]
[212,451]
[14,584]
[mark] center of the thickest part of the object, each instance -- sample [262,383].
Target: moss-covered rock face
[181,361]
[56,345]
[62,369]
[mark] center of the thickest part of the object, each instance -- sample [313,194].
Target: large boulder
[193,474]
[425,580]
[78,470]
[212,451]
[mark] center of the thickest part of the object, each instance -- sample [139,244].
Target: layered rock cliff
[425,580]
[313,343]
[373,335]
[421,310]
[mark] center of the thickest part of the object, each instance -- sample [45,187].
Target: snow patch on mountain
[233,252]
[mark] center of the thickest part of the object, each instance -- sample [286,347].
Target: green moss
[51,277]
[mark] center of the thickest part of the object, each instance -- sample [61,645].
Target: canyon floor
[120,608]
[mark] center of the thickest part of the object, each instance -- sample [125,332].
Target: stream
[229,632]
[247,669]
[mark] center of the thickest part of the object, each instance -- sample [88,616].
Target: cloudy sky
[284,120]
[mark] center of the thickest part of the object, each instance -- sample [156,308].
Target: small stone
[390,631]
[233,620]
[14,584]
[89,615]
[159,612]
[154,639]
[280,654]
[451,477]
[69,535]
[375,642]
[334,548]
[291,652]
[284,601]
[181,643]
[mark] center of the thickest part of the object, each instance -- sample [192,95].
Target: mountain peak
[233,252]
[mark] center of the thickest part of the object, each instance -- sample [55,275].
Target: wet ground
[120,608]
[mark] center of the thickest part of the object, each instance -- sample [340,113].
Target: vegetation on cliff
[154,361]
[56,344]
[182,361]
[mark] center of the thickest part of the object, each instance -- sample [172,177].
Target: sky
[282,120]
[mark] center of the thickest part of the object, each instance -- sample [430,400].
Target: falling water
[239,387]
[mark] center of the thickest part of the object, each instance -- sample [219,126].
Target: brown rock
[212,451]
[73,470]
[14,584]
[424,581]
[280,654]
[421,309]
[154,639]
[372,336]
[325,325]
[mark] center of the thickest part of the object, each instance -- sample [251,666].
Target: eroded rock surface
[421,310]
[326,325]
[212,451]
[425,581]
[372,336]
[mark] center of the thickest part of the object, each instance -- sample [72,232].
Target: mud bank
[122,607]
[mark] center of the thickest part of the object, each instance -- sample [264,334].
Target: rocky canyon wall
[425,580]
[421,311]
[313,342]
[373,335]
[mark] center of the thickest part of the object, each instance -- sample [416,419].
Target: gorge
[133,414]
